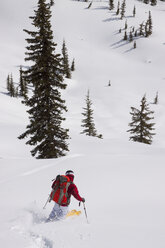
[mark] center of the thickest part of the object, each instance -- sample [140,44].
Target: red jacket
[72,190]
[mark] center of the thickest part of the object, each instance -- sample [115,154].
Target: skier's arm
[75,193]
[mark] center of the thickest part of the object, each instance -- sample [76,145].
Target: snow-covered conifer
[118,8]
[130,36]
[150,27]
[65,60]
[23,90]
[123,7]
[153,2]
[45,73]
[8,83]
[141,127]
[134,11]
[73,65]
[125,36]
[156,100]
[126,25]
[12,90]
[88,121]
[111,4]
[134,45]
[89,6]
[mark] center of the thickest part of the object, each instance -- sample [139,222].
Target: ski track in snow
[30,224]
[24,226]
[50,165]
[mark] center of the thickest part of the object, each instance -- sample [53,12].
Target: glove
[83,199]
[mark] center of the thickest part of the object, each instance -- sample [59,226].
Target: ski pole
[48,200]
[85,212]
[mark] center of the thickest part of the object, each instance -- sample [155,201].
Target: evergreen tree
[146,1]
[67,71]
[123,7]
[126,25]
[90,5]
[16,92]
[153,2]
[141,127]
[88,122]
[12,90]
[125,36]
[8,83]
[73,65]
[130,36]
[149,24]
[134,11]
[109,83]
[134,45]
[146,29]
[111,4]
[46,76]
[118,8]
[141,29]
[23,90]
[156,99]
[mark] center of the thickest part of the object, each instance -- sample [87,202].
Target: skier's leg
[53,214]
[61,212]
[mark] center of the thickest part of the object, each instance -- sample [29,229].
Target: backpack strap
[55,186]
[66,194]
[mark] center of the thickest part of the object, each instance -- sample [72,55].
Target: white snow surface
[122,181]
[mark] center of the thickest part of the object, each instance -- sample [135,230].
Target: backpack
[59,192]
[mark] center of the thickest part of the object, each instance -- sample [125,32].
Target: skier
[60,211]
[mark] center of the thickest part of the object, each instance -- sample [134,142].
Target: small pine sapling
[65,61]
[134,45]
[141,29]
[109,83]
[126,25]
[135,33]
[156,99]
[118,8]
[89,5]
[130,36]
[150,27]
[123,7]
[134,11]
[125,36]
[88,121]
[153,2]
[8,83]
[111,4]
[73,65]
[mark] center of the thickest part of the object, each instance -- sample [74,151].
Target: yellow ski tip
[73,212]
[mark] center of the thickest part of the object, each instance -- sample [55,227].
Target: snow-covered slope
[122,181]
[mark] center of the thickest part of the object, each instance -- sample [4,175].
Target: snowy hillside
[122,181]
